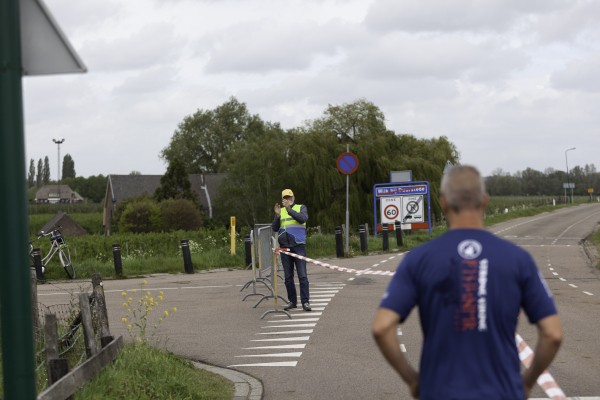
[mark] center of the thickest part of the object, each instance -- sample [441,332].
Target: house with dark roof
[57,194]
[67,225]
[122,187]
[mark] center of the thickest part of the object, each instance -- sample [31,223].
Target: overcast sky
[512,83]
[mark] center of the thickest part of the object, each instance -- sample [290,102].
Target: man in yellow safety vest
[290,225]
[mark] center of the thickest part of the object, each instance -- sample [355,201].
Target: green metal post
[15,293]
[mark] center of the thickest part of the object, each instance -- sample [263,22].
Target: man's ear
[486,200]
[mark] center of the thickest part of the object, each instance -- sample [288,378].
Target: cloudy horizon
[512,84]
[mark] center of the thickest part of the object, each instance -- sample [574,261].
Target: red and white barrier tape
[334,267]
[545,380]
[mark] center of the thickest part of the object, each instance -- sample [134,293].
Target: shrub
[179,214]
[140,216]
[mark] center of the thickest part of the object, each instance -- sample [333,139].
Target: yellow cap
[287,192]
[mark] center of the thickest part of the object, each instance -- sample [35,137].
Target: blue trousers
[288,263]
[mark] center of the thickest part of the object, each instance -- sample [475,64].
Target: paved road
[329,353]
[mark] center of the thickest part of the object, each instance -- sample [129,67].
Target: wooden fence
[62,383]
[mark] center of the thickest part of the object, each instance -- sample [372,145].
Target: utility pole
[58,142]
[568,183]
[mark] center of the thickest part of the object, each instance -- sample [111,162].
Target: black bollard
[399,240]
[339,245]
[187,256]
[248,249]
[362,232]
[116,248]
[384,236]
[37,263]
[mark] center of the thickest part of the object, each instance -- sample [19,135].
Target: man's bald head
[463,188]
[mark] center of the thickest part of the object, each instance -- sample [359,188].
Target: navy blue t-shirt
[469,286]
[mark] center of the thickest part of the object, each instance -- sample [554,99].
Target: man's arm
[384,331]
[549,340]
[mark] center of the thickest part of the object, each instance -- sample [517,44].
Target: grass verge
[142,372]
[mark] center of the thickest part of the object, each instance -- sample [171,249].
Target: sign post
[24,50]
[347,164]
[15,291]
[232,225]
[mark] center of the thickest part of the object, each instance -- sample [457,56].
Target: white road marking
[311,325]
[287,332]
[588,293]
[402,348]
[295,320]
[562,279]
[288,339]
[280,346]
[294,354]
[573,286]
[272,364]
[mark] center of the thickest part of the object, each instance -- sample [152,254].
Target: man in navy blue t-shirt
[469,286]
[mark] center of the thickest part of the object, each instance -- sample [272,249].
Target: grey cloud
[403,56]
[453,15]
[579,75]
[268,45]
[154,44]
[148,81]
[583,17]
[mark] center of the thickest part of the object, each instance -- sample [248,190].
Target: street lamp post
[568,183]
[58,142]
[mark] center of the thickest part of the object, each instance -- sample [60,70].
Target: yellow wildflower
[160,293]
[134,290]
[174,309]
[125,304]
[123,293]
[129,327]
[144,282]
[166,313]
[160,298]
[124,320]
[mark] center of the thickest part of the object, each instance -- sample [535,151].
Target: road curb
[246,387]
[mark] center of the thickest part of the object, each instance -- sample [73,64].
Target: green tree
[68,167]
[179,214]
[255,175]
[31,174]
[175,183]
[314,150]
[46,171]
[92,188]
[203,138]
[39,180]
[140,216]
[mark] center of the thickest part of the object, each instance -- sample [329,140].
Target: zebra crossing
[281,341]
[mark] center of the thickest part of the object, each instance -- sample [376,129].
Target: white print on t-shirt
[469,249]
[482,294]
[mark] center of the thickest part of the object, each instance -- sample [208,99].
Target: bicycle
[58,244]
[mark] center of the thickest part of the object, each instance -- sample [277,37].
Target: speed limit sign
[390,209]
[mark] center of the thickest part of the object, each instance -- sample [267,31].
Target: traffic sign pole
[347,164]
[15,293]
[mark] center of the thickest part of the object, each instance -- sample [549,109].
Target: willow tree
[256,174]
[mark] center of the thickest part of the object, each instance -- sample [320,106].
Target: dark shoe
[306,306]
[289,307]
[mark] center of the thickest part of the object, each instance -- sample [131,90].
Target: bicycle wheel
[65,260]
